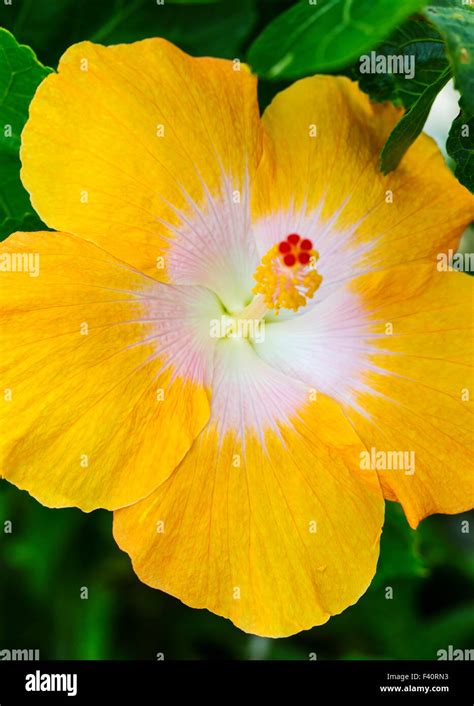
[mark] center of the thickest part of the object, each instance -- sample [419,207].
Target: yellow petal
[102,372]
[274,527]
[320,176]
[421,386]
[138,147]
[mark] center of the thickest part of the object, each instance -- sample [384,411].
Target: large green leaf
[455,21]
[460,147]
[215,28]
[326,35]
[422,43]
[420,39]
[410,126]
[20,75]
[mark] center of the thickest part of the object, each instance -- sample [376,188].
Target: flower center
[287,277]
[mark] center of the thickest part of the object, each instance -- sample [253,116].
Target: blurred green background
[49,556]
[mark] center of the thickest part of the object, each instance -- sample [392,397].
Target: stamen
[286,277]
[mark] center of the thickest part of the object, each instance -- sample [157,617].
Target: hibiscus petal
[320,176]
[395,348]
[420,386]
[268,520]
[103,372]
[148,152]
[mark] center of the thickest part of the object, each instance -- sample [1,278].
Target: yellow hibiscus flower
[238,315]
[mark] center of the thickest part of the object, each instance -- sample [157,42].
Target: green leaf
[20,75]
[455,21]
[460,146]
[417,39]
[326,35]
[410,126]
[399,555]
[23,221]
[216,28]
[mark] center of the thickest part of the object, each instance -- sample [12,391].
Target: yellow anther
[283,286]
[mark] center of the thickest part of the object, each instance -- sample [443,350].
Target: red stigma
[293,238]
[295,249]
[284,247]
[303,258]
